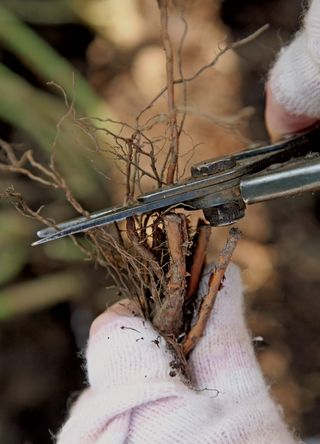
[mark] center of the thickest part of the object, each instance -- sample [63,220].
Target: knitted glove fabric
[133,399]
[293,89]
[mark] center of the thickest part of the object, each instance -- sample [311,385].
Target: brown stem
[198,259]
[174,138]
[128,174]
[179,59]
[168,319]
[215,280]
[234,45]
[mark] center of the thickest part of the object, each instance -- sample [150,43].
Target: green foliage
[41,293]
[38,112]
[43,120]
[43,60]
[12,260]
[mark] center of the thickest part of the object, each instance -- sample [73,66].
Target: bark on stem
[168,320]
[215,280]
[198,259]
[174,137]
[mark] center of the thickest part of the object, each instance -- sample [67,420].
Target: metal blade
[115,215]
[191,189]
[161,198]
[212,178]
[83,224]
[45,232]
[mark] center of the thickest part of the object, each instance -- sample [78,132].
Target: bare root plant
[156,260]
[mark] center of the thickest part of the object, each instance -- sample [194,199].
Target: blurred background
[105,58]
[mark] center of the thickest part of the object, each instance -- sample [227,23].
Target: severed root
[168,319]
[198,259]
[215,280]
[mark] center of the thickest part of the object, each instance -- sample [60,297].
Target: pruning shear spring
[221,187]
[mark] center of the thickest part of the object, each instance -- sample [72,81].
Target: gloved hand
[135,395]
[293,88]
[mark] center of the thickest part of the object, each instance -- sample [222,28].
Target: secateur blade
[217,186]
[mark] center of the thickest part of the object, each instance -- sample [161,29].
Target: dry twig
[215,59]
[215,281]
[174,136]
[168,318]
[198,260]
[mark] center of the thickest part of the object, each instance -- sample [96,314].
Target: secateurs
[221,187]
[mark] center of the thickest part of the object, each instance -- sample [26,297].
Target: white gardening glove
[293,89]
[134,397]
